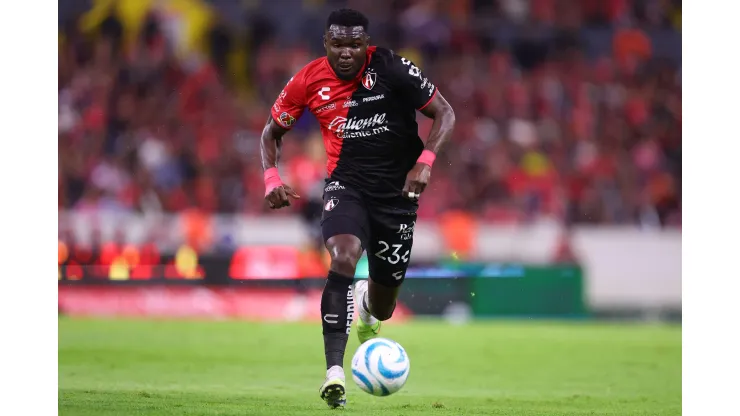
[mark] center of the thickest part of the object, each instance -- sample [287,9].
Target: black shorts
[385,228]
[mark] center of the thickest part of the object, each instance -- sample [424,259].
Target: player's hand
[280,196]
[416,181]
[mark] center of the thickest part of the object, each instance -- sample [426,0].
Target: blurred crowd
[567,109]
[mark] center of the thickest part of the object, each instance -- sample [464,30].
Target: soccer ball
[380,367]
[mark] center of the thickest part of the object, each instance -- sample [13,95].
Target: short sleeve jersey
[368,124]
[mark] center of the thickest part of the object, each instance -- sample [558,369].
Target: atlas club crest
[369,78]
[330,204]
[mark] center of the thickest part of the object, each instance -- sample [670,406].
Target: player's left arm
[426,98]
[441,112]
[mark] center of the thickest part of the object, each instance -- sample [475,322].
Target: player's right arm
[284,113]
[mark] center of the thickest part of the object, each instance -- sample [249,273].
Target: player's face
[345,49]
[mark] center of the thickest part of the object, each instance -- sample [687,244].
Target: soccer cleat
[333,392]
[365,330]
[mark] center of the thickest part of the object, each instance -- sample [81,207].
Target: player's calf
[337,299]
[373,305]
[384,312]
[381,300]
[337,312]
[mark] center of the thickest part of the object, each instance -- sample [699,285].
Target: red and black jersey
[368,124]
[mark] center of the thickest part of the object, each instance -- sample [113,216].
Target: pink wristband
[427,157]
[272,180]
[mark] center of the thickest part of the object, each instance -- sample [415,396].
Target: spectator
[545,126]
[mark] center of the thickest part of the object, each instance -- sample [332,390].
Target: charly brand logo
[280,100]
[414,70]
[369,79]
[428,84]
[358,127]
[323,91]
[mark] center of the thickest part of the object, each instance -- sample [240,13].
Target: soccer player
[365,98]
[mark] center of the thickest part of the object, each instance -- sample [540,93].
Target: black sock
[337,311]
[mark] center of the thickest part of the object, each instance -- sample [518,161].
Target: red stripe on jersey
[333,148]
[430,99]
[317,88]
[329,99]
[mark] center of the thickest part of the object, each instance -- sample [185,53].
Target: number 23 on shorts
[393,254]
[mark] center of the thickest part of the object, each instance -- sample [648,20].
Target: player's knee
[344,262]
[345,253]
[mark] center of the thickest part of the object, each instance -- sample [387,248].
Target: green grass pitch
[129,367]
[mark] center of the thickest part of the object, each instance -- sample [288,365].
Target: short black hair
[347,17]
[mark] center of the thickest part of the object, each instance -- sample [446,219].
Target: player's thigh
[344,213]
[391,241]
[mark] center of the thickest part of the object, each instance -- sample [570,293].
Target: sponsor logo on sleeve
[286,120]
